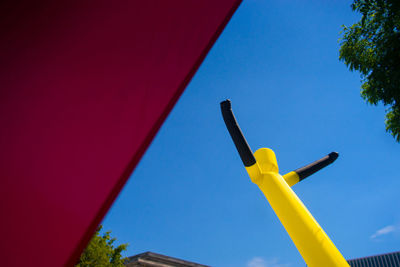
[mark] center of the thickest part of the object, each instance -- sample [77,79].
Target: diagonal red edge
[131,166]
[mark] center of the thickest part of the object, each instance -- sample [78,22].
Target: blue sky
[277,61]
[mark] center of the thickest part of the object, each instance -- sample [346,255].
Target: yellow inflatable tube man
[310,239]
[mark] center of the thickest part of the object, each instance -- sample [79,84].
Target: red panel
[84,87]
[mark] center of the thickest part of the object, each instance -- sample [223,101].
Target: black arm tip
[312,168]
[237,136]
[226,104]
[333,156]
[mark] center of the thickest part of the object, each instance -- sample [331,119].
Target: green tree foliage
[372,47]
[102,252]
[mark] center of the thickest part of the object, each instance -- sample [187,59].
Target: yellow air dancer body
[312,242]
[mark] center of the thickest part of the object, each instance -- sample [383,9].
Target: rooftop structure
[384,260]
[151,259]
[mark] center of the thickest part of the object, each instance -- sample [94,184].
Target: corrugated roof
[383,260]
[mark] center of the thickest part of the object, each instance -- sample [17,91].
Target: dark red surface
[84,87]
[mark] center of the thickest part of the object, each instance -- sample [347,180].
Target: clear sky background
[190,196]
